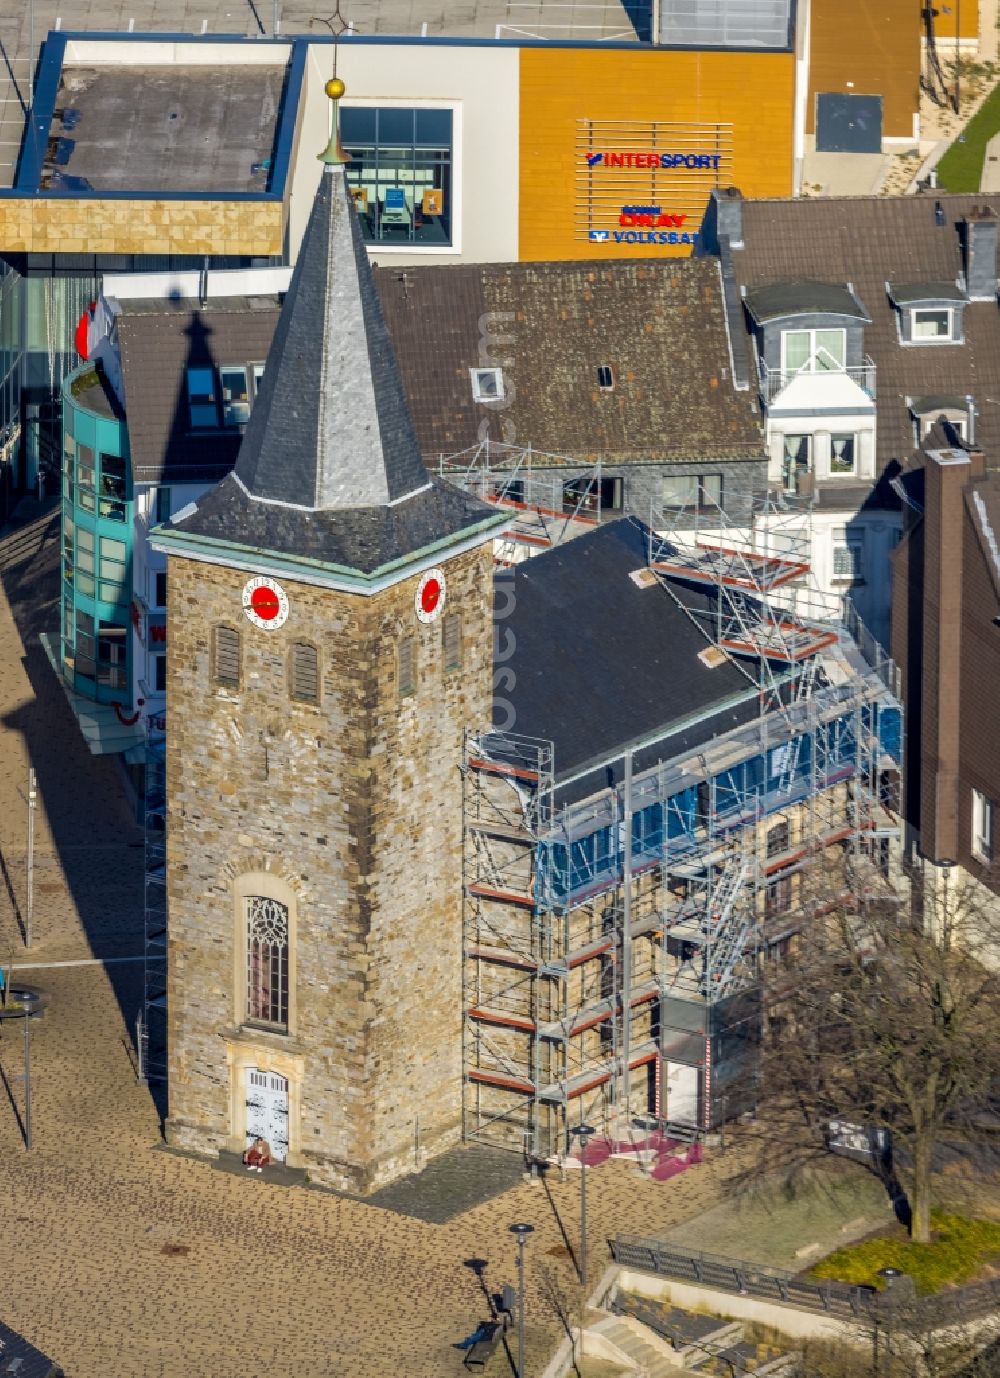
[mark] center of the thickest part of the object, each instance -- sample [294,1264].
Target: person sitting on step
[258,1155]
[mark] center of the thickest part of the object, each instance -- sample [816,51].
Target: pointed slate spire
[331,428]
[330,485]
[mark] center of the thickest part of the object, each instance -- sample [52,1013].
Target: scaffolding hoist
[154,1029]
[614,946]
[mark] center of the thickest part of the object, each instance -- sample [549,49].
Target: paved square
[126,1261]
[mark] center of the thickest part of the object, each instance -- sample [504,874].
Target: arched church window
[226,657]
[267,961]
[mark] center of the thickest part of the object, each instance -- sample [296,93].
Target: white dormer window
[487,384]
[932,323]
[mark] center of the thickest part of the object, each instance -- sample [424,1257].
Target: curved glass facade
[96,541]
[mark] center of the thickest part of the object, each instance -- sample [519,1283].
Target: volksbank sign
[636,219]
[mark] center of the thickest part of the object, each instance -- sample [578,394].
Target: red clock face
[430,595]
[265,603]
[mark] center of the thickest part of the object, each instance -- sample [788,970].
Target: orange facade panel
[857,48]
[620,149]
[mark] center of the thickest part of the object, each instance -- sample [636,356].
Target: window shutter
[305,673]
[407,665]
[227,656]
[451,637]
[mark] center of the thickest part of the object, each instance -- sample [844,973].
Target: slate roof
[906,293]
[600,664]
[823,298]
[159,340]
[869,241]
[658,325]
[330,470]
[18,1357]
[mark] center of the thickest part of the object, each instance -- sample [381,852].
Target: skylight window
[487,384]
[605,377]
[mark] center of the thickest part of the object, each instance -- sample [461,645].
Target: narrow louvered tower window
[226,657]
[304,673]
[451,640]
[407,665]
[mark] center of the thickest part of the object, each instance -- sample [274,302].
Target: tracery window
[267,961]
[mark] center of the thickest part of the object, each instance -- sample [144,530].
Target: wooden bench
[482,1350]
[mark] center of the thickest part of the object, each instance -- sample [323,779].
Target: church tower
[330,632]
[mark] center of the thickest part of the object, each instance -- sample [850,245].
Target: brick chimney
[946,474]
[980,246]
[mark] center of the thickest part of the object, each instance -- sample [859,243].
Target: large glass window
[797,460]
[201,397]
[113,572]
[400,173]
[813,351]
[235,395]
[85,477]
[843,454]
[932,324]
[696,491]
[111,502]
[86,646]
[111,642]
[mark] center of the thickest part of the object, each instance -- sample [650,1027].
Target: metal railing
[736,1275]
[775,380]
[957,1306]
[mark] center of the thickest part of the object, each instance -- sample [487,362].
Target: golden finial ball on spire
[335,88]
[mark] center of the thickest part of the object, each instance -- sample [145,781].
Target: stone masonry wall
[355,807]
[66,225]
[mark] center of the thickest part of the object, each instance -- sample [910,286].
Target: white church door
[267,1111]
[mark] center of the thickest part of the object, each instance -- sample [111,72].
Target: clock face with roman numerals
[265,603]
[430,596]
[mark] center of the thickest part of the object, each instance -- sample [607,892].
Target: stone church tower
[330,632]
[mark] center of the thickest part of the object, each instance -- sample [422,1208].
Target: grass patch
[960,1249]
[961,168]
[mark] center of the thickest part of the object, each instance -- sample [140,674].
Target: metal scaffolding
[615,946]
[550,498]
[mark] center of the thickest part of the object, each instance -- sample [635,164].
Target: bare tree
[887,1015]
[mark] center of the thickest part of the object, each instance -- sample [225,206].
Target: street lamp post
[583,1133]
[522,1231]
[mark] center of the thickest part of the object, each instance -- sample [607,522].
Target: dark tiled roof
[363,539]
[600,664]
[18,1357]
[790,298]
[907,293]
[924,406]
[159,341]
[659,326]
[869,241]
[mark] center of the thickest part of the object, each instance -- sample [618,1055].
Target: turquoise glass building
[96,540]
